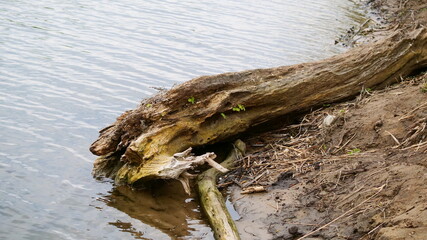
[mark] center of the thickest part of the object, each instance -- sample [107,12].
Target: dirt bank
[361,177]
[354,170]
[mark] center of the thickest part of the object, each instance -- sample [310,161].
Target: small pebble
[293,230]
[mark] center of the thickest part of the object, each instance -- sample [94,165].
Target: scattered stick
[255,189]
[255,179]
[345,144]
[394,138]
[344,214]
[418,145]
[373,230]
[409,114]
[216,165]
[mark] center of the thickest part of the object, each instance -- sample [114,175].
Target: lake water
[69,68]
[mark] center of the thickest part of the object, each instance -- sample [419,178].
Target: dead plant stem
[344,214]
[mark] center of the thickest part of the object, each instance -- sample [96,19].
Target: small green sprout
[326,105]
[148,105]
[368,90]
[223,115]
[354,151]
[239,108]
[191,100]
[424,88]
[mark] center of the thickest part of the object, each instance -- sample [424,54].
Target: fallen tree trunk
[209,109]
[211,199]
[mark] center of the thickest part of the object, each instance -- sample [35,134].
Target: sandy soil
[372,188]
[367,173]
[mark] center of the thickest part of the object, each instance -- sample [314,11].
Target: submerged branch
[212,201]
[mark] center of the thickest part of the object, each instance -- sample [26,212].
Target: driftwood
[211,199]
[210,109]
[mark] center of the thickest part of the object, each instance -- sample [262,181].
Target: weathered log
[211,199]
[210,109]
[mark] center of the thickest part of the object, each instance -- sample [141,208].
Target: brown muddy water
[69,68]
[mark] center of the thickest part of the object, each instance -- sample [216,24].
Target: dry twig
[344,214]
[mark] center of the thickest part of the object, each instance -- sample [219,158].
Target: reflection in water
[164,206]
[127,227]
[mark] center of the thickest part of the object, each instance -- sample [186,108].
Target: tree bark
[211,199]
[210,109]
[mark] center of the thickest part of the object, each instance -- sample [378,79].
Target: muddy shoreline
[368,179]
